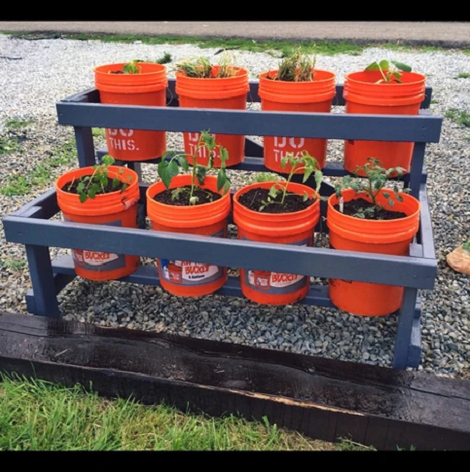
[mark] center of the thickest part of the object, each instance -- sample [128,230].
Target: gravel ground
[36,74]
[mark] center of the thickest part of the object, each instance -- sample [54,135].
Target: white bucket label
[190,273]
[120,139]
[203,153]
[98,261]
[283,146]
[276,282]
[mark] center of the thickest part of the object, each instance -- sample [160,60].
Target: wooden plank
[313,261]
[254,123]
[322,398]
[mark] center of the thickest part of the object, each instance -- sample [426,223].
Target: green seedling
[167,169]
[132,67]
[91,185]
[466,245]
[375,179]
[264,177]
[389,74]
[307,164]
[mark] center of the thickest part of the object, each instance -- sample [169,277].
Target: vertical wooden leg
[137,168]
[85,146]
[404,329]
[42,279]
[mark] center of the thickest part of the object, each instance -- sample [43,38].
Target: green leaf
[124,186]
[391,203]
[107,160]
[80,187]
[305,197]
[307,172]
[384,65]
[173,169]
[318,179]
[399,198]
[83,197]
[104,180]
[284,161]
[386,195]
[116,182]
[373,66]
[226,186]
[164,174]
[223,154]
[193,200]
[221,178]
[273,191]
[401,66]
[200,174]
[183,163]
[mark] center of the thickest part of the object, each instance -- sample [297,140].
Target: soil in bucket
[145,88]
[214,92]
[392,234]
[306,97]
[294,225]
[364,95]
[113,205]
[207,217]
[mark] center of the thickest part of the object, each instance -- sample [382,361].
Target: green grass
[329,48]
[12,264]
[9,145]
[346,444]
[463,75]
[41,174]
[18,124]
[461,117]
[98,132]
[38,415]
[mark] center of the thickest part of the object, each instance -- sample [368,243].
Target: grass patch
[346,444]
[38,415]
[9,145]
[98,132]
[463,75]
[18,124]
[41,174]
[328,48]
[461,117]
[12,264]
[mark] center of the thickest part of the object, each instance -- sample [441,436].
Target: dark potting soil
[354,206]
[116,72]
[255,198]
[203,195]
[106,188]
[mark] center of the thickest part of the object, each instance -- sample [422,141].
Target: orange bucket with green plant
[282,213]
[382,89]
[193,203]
[133,83]
[365,216]
[106,195]
[200,84]
[296,86]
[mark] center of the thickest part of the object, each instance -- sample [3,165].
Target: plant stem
[193,174]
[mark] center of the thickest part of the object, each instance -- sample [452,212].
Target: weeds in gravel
[463,75]
[18,124]
[98,132]
[41,174]
[461,117]
[12,264]
[9,145]
[39,415]
[346,444]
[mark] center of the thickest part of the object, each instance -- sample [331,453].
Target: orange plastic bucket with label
[110,209]
[375,236]
[147,88]
[225,93]
[275,288]
[363,95]
[308,97]
[184,278]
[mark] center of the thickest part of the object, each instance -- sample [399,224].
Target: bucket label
[99,261]
[282,146]
[191,273]
[276,283]
[120,139]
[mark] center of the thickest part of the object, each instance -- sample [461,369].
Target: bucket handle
[128,202]
[172,96]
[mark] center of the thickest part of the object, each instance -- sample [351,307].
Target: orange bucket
[225,93]
[363,95]
[148,88]
[306,97]
[110,209]
[275,288]
[375,236]
[183,278]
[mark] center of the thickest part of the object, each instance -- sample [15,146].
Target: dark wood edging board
[321,398]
